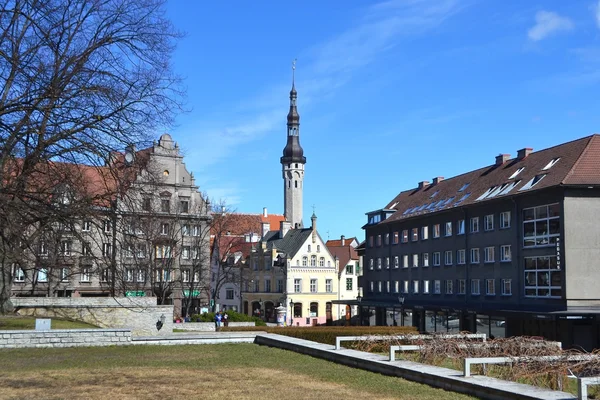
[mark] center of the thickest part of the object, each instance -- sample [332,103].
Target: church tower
[292,163]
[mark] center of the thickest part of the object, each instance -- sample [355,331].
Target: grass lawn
[12,322]
[224,371]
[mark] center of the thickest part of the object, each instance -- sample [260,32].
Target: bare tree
[79,80]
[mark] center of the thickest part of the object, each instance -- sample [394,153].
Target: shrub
[327,334]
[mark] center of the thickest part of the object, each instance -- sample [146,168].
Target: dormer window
[550,164]
[463,187]
[534,181]
[434,194]
[517,172]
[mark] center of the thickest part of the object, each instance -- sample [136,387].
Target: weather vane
[294,70]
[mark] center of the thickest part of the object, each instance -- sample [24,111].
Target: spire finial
[294,71]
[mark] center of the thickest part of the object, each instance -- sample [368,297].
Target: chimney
[266,227]
[265,215]
[284,228]
[423,184]
[437,179]
[343,240]
[501,159]
[313,226]
[521,154]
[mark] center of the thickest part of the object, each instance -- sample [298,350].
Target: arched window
[313,261]
[314,309]
[304,261]
[322,262]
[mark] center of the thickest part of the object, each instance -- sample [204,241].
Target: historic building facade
[151,240]
[512,245]
[349,269]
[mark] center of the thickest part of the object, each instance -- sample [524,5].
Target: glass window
[297,285]
[460,227]
[436,231]
[542,277]
[474,225]
[489,255]
[396,237]
[462,286]
[425,259]
[461,256]
[328,285]
[475,256]
[313,286]
[415,260]
[490,289]
[505,220]
[475,286]
[437,286]
[405,236]
[449,284]
[506,287]
[448,257]
[424,233]
[505,253]
[405,261]
[448,228]
[415,234]
[349,283]
[396,262]
[541,225]
[436,259]
[489,222]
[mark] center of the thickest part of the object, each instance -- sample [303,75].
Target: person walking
[226,319]
[218,319]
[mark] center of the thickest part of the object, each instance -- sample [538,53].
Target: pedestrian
[218,319]
[226,319]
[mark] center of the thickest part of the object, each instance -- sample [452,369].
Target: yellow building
[292,268]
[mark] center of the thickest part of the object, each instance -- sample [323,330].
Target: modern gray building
[514,245]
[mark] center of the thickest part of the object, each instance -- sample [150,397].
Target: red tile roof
[578,164]
[338,242]
[241,224]
[344,253]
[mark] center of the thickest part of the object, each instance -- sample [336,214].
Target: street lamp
[401,301]
[292,313]
[359,299]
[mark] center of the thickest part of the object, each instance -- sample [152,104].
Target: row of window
[165,205]
[449,228]
[435,287]
[130,275]
[314,286]
[132,228]
[422,260]
[129,251]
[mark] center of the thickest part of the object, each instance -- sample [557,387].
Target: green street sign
[195,293]
[135,293]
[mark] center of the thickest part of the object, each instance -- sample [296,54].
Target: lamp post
[401,301]
[359,299]
[292,313]
[260,306]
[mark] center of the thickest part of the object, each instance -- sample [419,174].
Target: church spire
[293,118]
[292,162]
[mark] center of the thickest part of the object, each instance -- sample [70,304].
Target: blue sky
[389,93]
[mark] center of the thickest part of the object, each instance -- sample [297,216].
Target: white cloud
[548,23]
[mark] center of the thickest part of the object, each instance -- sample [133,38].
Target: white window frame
[505,220]
[416,286]
[314,285]
[460,227]
[490,287]
[85,274]
[489,255]
[475,287]
[424,232]
[437,286]
[396,262]
[506,287]
[415,260]
[387,263]
[475,259]
[462,286]
[297,285]
[328,285]
[425,259]
[449,286]
[505,253]
[461,257]
[414,235]
[425,287]
[448,229]
[437,256]
[436,231]
[405,261]
[448,257]
[545,238]
[488,222]
[474,225]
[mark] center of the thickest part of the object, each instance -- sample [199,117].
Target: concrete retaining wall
[206,326]
[139,314]
[65,338]
[482,387]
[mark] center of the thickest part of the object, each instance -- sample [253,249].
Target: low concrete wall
[206,326]
[65,338]
[482,387]
[140,314]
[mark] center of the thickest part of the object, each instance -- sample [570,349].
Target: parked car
[500,323]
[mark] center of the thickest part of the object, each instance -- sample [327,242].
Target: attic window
[509,187]
[534,181]
[550,164]
[486,193]
[434,194]
[463,187]
[462,199]
[166,172]
[517,172]
[497,191]
[394,205]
